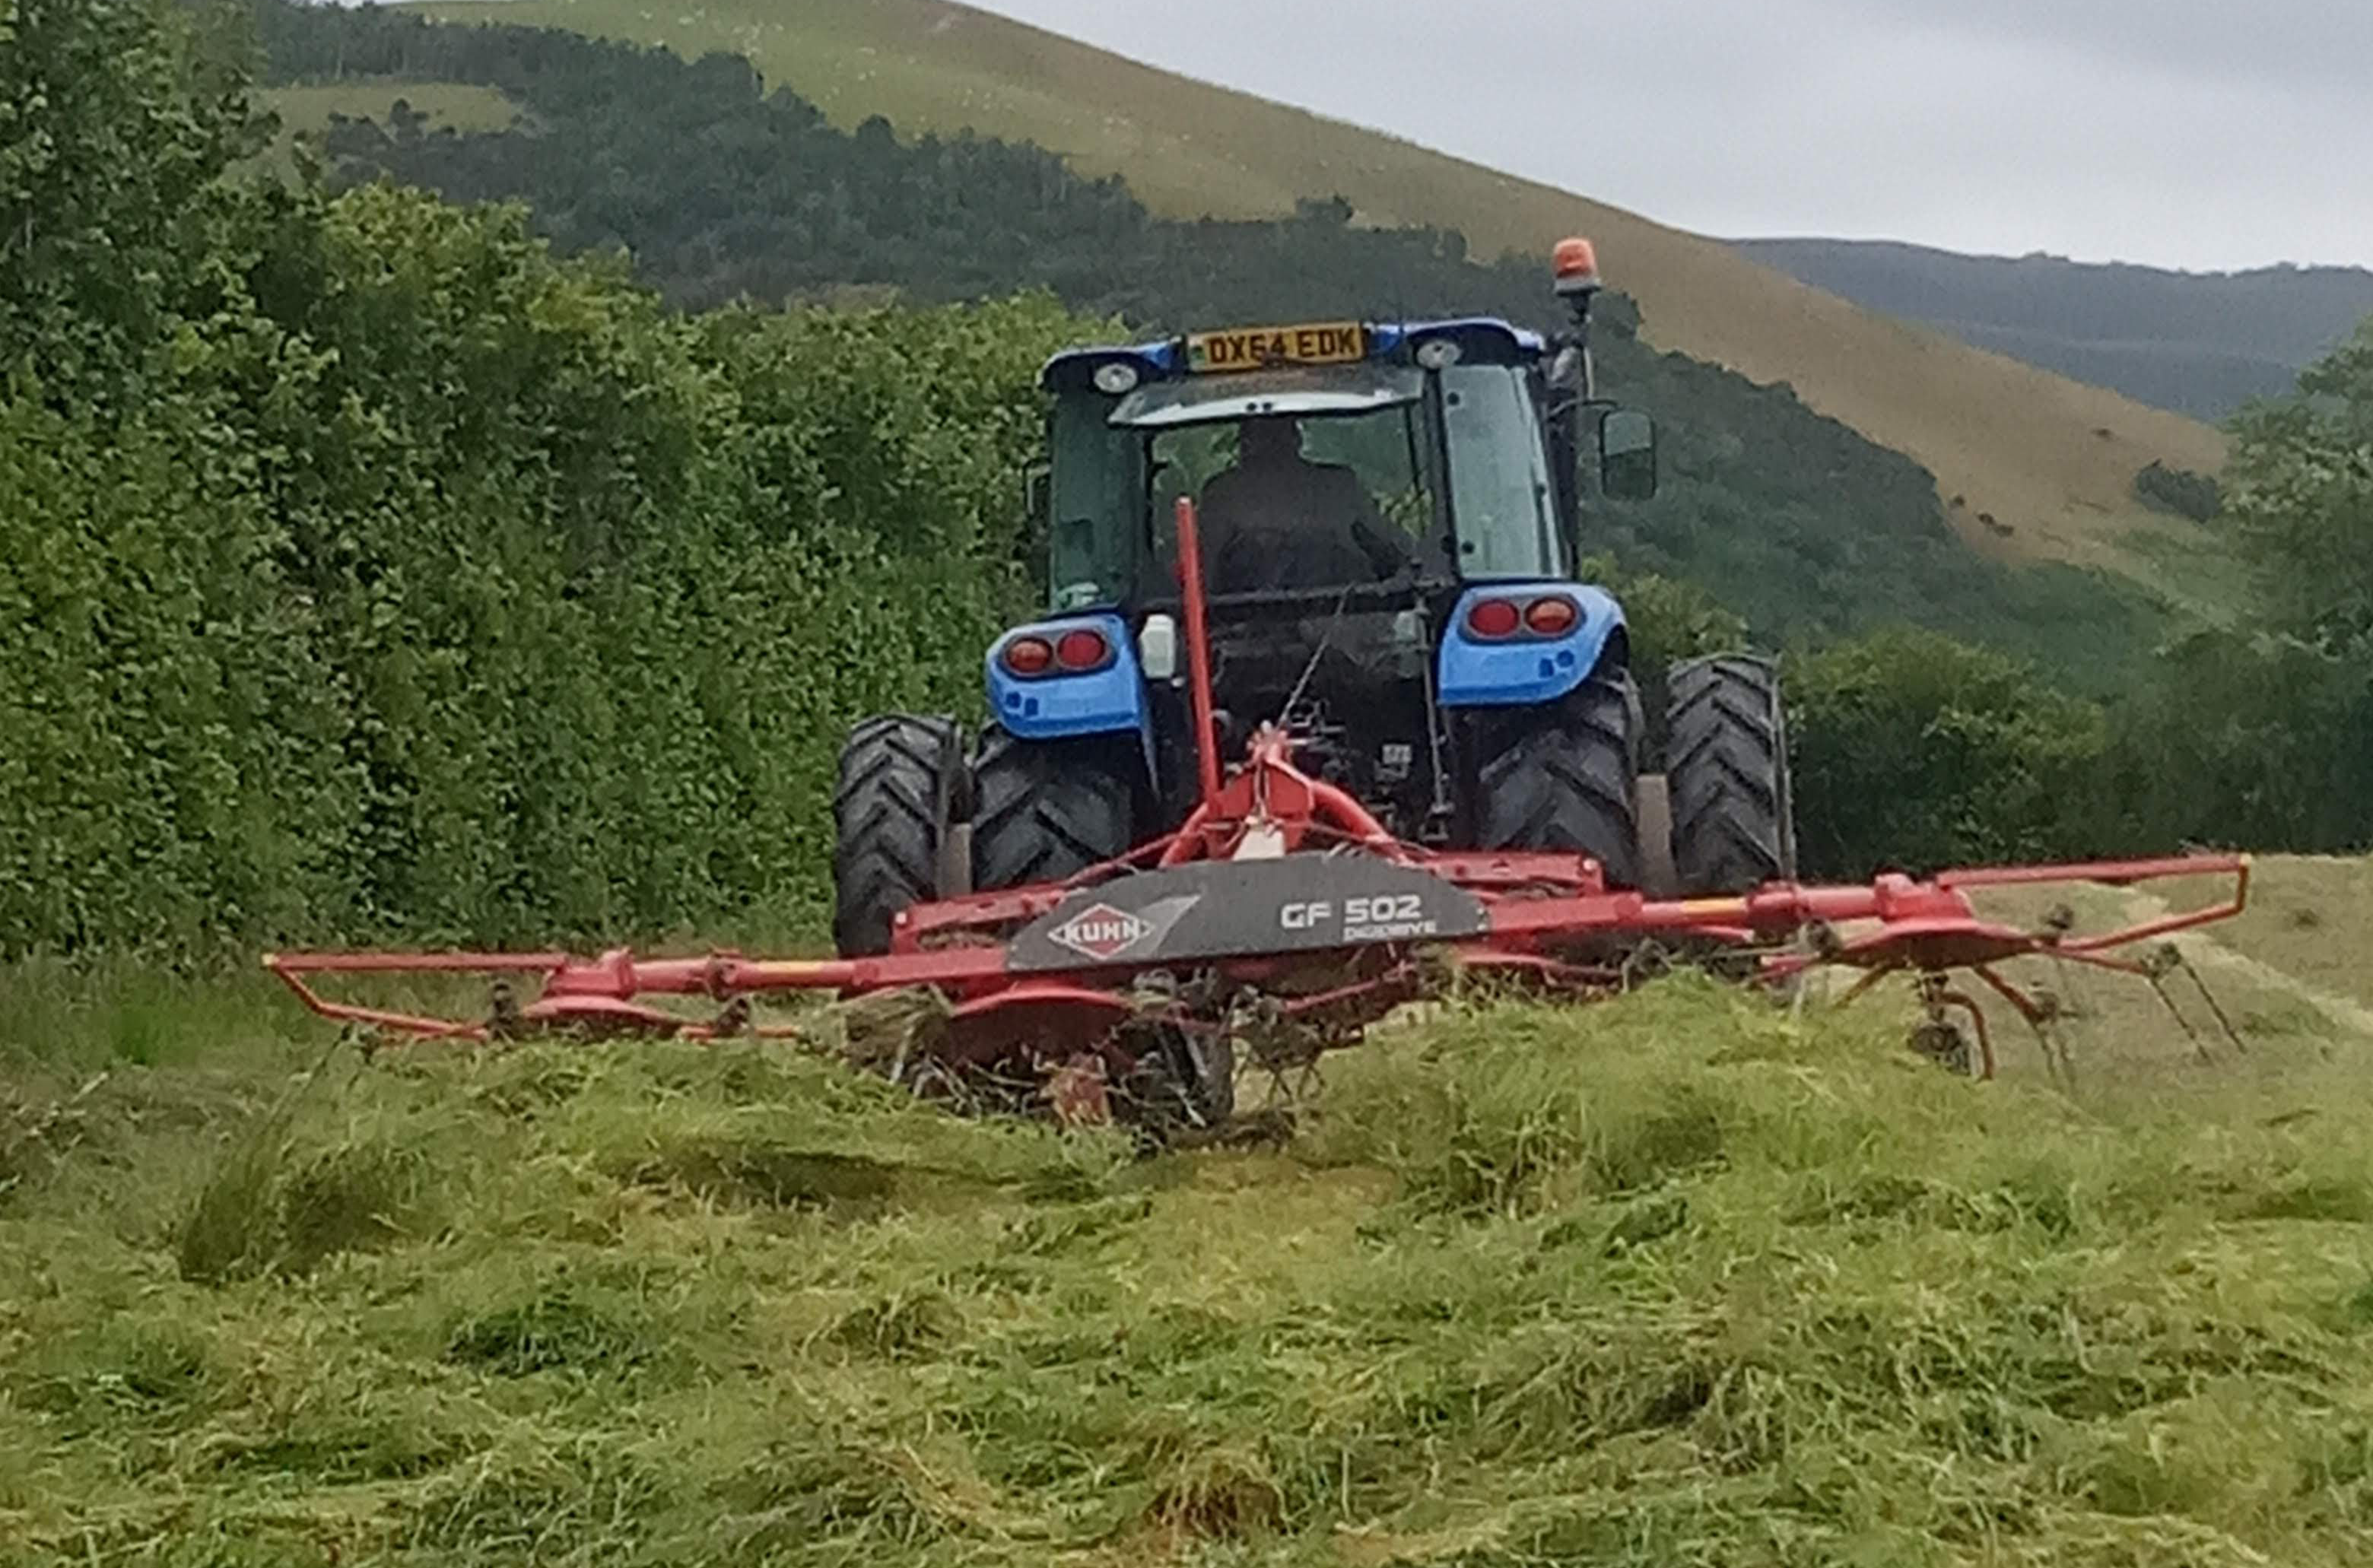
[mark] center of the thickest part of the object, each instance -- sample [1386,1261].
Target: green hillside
[305,113]
[308,110]
[2051,459]
[2201,343]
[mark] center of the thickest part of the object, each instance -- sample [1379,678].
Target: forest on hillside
[721,189]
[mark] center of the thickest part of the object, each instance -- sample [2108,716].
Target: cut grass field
[2049,460]
[1680,1280]
[306,111]
[2313,920]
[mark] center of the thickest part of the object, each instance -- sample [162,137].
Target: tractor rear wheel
[1045,809]
[1565,776]
[900,786]
[1734,823]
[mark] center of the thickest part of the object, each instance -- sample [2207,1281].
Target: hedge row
[444,589]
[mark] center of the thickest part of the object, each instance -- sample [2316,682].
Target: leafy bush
[1913,751]
[445,570]
[2252,743]
[116,117]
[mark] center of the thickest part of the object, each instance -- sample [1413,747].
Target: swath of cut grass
[273,1203]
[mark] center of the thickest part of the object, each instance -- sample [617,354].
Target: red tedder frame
[1544,918]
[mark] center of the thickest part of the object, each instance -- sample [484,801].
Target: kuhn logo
[1102,931]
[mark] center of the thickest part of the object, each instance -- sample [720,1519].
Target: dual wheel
[1719,818]
[915,822]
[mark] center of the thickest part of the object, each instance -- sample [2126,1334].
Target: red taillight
[1553,616]
[1073,652]
[1081,650]
[1029,656]
[1493,619]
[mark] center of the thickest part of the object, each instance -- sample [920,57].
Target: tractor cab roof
[1122,369]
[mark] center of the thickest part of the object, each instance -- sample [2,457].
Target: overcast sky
[2201,134]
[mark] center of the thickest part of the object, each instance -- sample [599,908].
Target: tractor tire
[1565,778]
[1733,825]
[901,785]
[1047,809]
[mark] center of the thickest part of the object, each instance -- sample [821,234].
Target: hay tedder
[1301,742]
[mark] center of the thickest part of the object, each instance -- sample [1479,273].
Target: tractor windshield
[1310,479]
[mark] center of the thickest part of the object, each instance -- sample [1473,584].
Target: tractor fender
[1524,668]
[1063,705]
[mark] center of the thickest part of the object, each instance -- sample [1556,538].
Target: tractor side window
[1499,476]
[1096,499]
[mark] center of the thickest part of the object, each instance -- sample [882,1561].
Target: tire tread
[1727,773]
[891,806]
[1565,778]
[1047,809]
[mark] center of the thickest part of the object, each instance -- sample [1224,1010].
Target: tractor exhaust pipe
[1199,653]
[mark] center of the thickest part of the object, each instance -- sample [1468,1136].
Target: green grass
[2192,565]
[1680,1280]
[2312,918]
[306,111]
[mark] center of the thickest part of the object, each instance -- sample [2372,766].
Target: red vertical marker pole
[1198,650]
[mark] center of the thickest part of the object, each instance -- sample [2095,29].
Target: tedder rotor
[1277,921]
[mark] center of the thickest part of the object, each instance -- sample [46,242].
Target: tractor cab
[1377,459]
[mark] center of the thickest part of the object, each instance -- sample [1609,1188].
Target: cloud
[2193,133]
[2292,44]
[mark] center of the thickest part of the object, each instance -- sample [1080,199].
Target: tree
[2255,742]
[2301,489]
[116,117]
[1915,751]
[2178,491]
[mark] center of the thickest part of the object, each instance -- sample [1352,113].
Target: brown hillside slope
[2050,460]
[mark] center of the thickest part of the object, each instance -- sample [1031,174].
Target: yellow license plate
[1253,348]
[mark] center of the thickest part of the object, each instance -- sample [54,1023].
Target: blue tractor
[1391,514]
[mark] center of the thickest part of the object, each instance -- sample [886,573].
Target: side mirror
[1039,480]
[1627,455]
